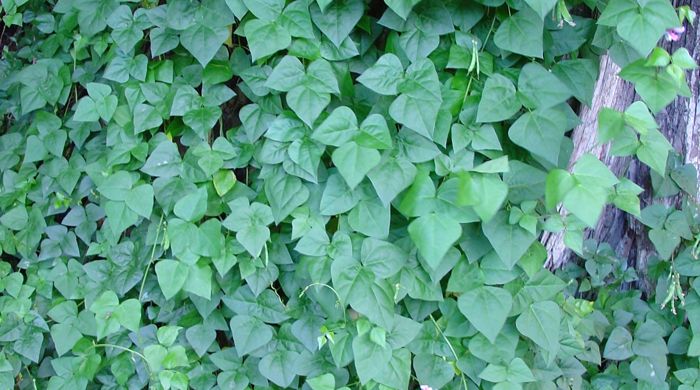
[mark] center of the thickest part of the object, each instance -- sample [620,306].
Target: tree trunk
[679,122]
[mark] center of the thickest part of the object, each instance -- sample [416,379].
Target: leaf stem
[139,354]
[328,287]
[488,35]
[449,344]
[153,255]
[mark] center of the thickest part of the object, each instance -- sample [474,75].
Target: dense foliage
[222,194]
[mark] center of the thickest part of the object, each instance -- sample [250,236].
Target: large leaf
[498,100]
[521,33]
[280,367]
[509,241]
[266,37]
[354,162]
[540,323]
[541,132]
[434,234]
[419,102]
[338,19]
[203,40]
[486,308]
[384,76]
[539,88]
[249,334]
[371,359]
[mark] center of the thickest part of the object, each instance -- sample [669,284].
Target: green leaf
[15,219]
[541,7]
[640,25]
[433,370]
[322,382]
[223,182]
[486,308]
[200,337]
[285,193]
[146,117]
[510,242]
[65,336]
[371,218]
[29,345]
[338,128]
[140,200]
[129,314]
[540,323]
[402,7]
[249,334]
[307,102]
[127,30]
[383,258]
[580,76]
[521,33]
[164,161]
[653,150]
[163,40]
[391,177]
[280,367]
[203,40]
[354,162]
[86,111]
[370,358]
[559,183]
[265,9]
[589,171]
[384,76]
[619,345]
[541,132]
[368,295]
[494,373]
[683,59]
[498,100]
[35,150]
[398,371]
[374,133]
[288,73]
[198,280]
[266,38]
[250,221]
[539,88]
[103,307]
[485,193]
[418,105]
[202,119]
[193,206]
[119,216]
[586,202]
[122,67]
[434,235]
[171,277]
[338,19]
[297,20]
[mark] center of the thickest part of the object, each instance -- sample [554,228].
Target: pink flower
[425,387]
[674,34]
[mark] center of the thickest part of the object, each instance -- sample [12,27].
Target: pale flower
[674,34]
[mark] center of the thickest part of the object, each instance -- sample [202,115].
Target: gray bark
[680,123]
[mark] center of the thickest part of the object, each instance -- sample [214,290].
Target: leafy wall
[224,194]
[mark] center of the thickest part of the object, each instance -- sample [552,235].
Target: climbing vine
[336,194]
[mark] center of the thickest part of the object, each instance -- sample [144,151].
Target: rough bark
[680,123]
